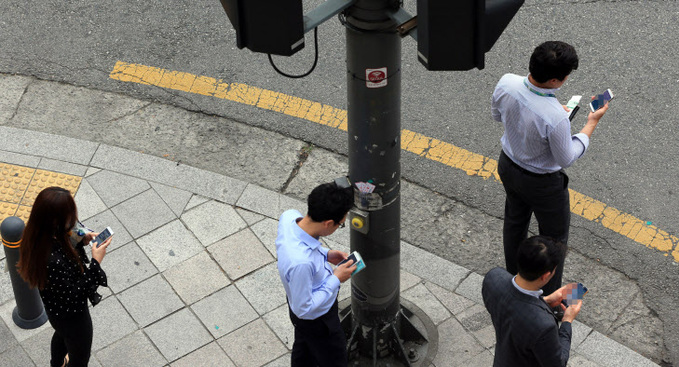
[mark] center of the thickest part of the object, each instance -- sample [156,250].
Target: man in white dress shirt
[536,146]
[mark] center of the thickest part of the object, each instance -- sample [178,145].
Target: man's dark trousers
[319,342]
[545,195]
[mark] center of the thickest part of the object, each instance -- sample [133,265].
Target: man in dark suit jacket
[527,332]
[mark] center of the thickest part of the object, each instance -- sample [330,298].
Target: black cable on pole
[312,67]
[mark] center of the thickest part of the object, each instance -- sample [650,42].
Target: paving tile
[150,300]
[178,334]
[334,245]
[485,336]
[240,254]
[15,356]
[483,359]
[126,267]
[282,361]
[600,349]
[260,200]
[453,302]
[12,88]
[213,221]
[47,145]
[134,350]
[249,217]
[205,183]
[456,346]
[19,334]
[252,345]
[175,198]
[105,219]
[344,291]
[287,202]
[471,288]
[38,347]
[279,321]
[6,290]
[87,201]
[580,333]
[110,322]
[143,213]
[170,245]
[475,318]
[91,171]
[19,159]
[219,319]
[267,231]
[114,188]
[196,278]
[263,289]
[427,302]
[62,167]
[577,360]
[408,280]
[7,337]
[195,201]
[431,267]
[210,355]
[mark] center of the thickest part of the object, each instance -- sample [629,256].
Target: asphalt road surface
[630,47]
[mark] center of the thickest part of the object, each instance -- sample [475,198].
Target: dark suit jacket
[526,331]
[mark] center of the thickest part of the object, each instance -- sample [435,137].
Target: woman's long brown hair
[53,215]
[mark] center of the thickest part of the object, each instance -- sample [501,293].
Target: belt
[525,171]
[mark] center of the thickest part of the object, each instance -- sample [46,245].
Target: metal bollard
[29,312]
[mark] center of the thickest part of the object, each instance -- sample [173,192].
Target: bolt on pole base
[410,340]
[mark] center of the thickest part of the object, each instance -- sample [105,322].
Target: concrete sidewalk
[192,267]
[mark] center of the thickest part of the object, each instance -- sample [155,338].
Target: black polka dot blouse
[68,289]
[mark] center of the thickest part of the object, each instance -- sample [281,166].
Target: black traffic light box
[267,26]
[456,34]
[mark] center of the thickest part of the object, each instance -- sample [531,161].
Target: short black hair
[328,201]
[538,255]
[552,59]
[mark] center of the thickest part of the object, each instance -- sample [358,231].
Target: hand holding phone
[574,294]
[358,260]
[102,237]
[600,100]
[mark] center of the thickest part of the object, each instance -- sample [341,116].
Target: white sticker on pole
[376,78]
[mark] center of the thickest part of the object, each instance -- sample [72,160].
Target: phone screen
[103,236]
[352,256]
[601,99]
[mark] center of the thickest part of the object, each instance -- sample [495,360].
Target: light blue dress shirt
[535,294]
[303,267]
[537,133]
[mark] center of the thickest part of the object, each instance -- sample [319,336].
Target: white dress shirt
[537,133]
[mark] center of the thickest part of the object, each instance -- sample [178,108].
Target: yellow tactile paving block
[43,179]
[7,210]
[13,182]
[19,186]
[23,212]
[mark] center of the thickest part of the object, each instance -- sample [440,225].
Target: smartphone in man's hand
[358,261]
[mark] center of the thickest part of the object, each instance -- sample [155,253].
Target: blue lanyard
[525,82]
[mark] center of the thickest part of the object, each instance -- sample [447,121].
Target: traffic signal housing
[267,26]
[456,34]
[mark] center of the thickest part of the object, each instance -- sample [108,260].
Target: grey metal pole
[374,131]
[29,312]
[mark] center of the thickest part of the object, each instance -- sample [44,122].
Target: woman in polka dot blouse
[48,260]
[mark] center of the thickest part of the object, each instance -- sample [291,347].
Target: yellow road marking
[440,151]
[20,185]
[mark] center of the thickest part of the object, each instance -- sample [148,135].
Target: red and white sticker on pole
[376,78]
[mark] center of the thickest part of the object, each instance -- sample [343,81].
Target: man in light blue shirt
[310,283]
[536,146]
